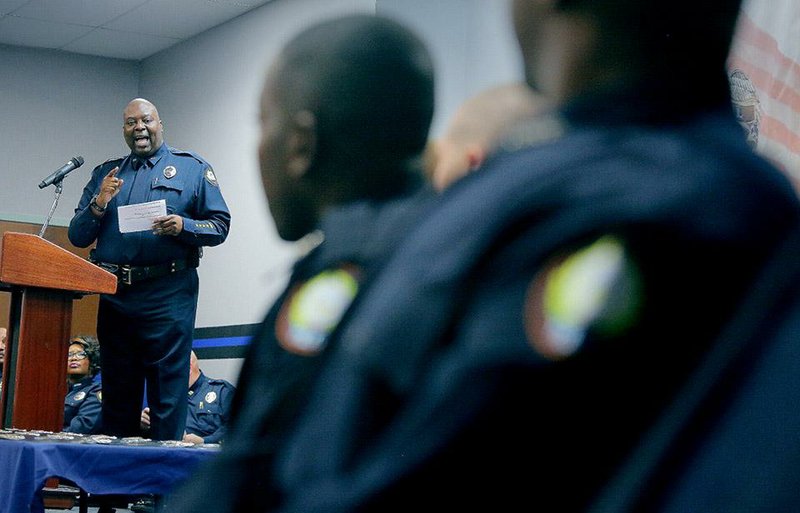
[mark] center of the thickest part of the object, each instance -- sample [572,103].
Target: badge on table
[169,172]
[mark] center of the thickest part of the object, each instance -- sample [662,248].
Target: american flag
[764,72]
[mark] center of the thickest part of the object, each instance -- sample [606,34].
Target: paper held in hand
[139,217]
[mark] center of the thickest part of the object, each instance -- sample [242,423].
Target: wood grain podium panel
[28,260]
[84,312]
[38,381]
[44,280]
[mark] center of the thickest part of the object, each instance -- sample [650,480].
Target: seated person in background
[209,407]
[83,403]
[477,128]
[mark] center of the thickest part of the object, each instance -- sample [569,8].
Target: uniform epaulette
[188,153]
[108,164]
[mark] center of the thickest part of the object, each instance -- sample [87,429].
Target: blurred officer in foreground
[83,403]
[345,113]
[146,328]
[209,407]
[533,325]
[477,129]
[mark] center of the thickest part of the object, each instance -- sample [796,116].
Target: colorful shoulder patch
[313,309]
[595,288]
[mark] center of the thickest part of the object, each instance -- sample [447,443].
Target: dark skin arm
[109,188]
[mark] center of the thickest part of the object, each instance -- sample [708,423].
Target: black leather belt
[130,274]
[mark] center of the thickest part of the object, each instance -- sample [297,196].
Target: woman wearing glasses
[82,405]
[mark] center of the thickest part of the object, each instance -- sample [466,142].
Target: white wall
[472,43]
[57,105]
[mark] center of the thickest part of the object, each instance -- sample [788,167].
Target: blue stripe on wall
[221,342]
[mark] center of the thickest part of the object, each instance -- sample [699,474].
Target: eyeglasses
[80,355]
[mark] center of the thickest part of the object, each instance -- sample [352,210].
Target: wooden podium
[43,279]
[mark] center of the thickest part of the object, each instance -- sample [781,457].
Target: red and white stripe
[766,49]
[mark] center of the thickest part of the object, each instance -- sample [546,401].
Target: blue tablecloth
[131,467]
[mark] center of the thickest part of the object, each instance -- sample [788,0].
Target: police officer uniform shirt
[209,408]
[82,407]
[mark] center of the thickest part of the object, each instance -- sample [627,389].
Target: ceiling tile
[118,44]
[43,34]
[178,18]
[80,12]
[146,26]
[7,6]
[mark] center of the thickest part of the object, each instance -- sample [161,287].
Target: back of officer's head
[682,33]
[672,42]
[368,81]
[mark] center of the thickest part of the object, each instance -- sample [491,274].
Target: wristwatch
[93,204]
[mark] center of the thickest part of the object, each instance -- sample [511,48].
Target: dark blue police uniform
[440,391]
[83,407]
[146,327]
[209,408]
[288,347]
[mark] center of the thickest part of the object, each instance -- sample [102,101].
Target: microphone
[63,171]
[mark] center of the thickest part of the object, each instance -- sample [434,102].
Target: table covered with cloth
[98,464]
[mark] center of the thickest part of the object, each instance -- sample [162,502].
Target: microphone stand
[52,208]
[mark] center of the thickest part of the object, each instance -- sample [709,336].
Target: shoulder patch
[210,177]
[313,309]
[596,288]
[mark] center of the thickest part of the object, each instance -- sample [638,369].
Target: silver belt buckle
[125,274]
[112,268]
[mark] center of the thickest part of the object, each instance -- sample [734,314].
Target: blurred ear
[302,142]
